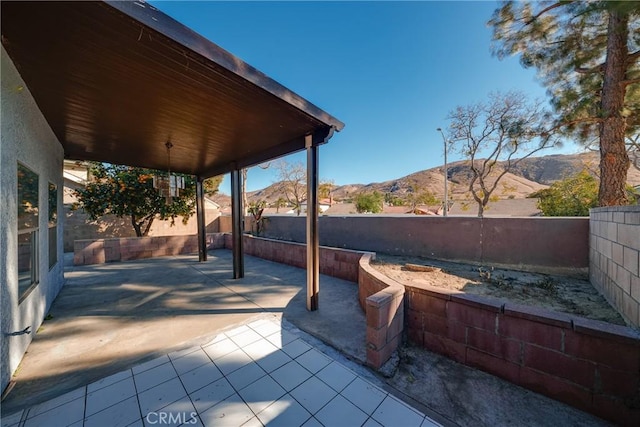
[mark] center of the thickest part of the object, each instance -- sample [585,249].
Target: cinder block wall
[383,301]
[542,244]
[614,258]
[100,251]
[335,262]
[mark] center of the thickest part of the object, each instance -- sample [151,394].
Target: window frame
[52,225]
[32,233]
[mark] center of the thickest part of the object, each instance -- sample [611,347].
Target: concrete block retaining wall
[335,262]
[614,258]
[592,365]
[382,299]
[99,251]
[382,302]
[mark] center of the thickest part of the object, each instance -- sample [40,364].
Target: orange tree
[126,191]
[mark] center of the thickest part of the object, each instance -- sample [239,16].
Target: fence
[540,244]
[614,258]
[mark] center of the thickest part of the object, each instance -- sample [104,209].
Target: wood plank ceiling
[117,80]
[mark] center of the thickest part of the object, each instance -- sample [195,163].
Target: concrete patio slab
[111,316]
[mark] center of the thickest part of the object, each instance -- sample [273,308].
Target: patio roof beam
[313,248]
[236,223]
[200,215]
[319,137]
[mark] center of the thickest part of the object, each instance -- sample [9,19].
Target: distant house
[275,211]
[427,210]
[324,204]
[226,210]
[75,175]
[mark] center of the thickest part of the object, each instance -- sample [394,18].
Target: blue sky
[391,71]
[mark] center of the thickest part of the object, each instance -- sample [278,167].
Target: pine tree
[587,55]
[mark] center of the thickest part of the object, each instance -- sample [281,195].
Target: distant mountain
[548,169]
[529,176]
[221,199]
[433,180]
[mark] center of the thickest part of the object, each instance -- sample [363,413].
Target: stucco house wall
[26,138]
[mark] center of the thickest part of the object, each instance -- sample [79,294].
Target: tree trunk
[245,204]
[148,227]
[482,203]
[614,160]
[136,226]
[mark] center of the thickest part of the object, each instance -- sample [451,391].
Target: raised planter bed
[589,364]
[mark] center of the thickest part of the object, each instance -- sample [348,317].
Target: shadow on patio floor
[110,316]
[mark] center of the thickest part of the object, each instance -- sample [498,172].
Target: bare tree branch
[499,130]
[293,183]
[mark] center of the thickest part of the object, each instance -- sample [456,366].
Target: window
[53,225]
[28,195]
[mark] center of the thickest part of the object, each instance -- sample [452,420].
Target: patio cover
[118,80]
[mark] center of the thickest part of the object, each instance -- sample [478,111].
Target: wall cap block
[479,301]
[433,291]
[379,299]
[364,264]
[538,314]
[606,330]
[614,209]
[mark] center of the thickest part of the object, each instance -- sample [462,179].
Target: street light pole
[446,174]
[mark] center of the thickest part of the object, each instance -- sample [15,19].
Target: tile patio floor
[255,374]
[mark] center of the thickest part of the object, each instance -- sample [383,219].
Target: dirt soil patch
[558,293]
